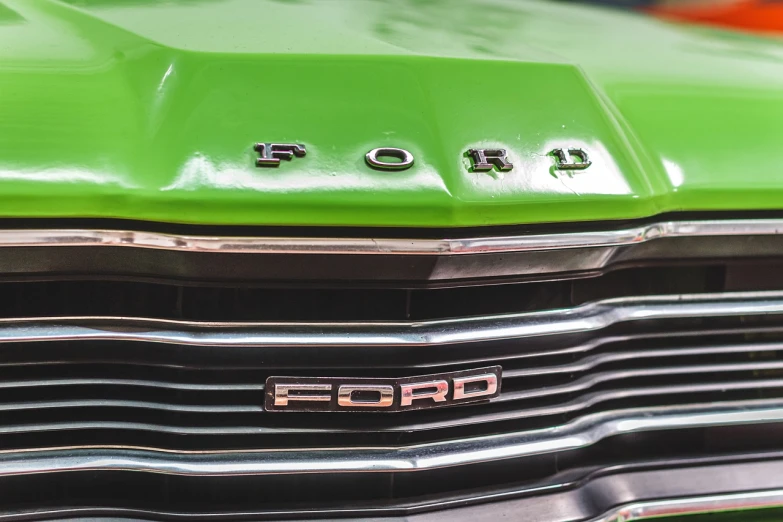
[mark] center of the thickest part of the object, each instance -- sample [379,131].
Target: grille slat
[593,380]
[152,427]
[591,362]
[591,399]
[6,384]
[109,403]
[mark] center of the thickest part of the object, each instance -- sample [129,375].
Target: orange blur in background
[763,16]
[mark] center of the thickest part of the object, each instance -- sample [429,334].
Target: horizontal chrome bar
[579,434]
[642,510]
[41,405]
[695,506]
[581,319]
[336,245]
[592,380]
[133,383]
[592,362]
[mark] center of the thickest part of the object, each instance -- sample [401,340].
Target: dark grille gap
[247,303]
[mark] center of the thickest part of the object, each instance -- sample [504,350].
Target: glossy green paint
[149,110]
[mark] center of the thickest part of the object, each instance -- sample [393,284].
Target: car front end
[404,260]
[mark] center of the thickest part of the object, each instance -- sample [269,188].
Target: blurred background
[765,16]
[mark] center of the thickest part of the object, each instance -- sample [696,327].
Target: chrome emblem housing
[312,394]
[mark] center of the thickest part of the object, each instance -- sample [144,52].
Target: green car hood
[150,110]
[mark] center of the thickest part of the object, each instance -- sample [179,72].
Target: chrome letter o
[405,157]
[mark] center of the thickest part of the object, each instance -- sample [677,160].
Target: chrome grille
[105,374]
[126,376]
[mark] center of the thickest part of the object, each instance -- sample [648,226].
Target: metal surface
[585,318]
[579,434]
[436,262]
[435,391]
[565,159]
[148,110]
[680,507]
[405,157]
[387,395]
[606,239]
[282,391]
[742,486]
[537,390]
[484,159]
[272,153]
[489,379]
[672,490]
[544,382]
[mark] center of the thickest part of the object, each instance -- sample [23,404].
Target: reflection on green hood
[150,110]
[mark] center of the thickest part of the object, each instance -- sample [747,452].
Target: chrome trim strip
[581,319]
[695,506]
[316,245]
[643,510]
[581,433]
